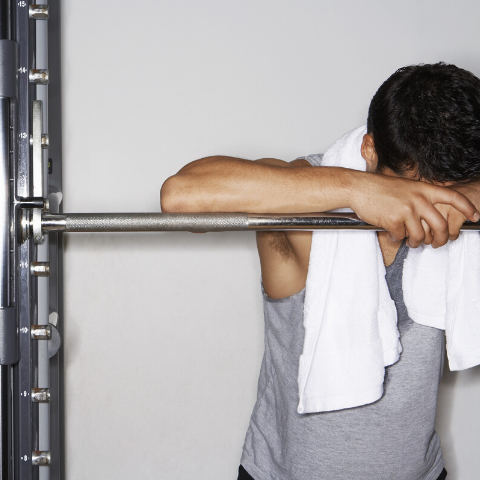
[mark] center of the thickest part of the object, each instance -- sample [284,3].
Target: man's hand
[422,212]
[454,218]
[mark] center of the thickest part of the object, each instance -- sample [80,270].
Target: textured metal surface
[148,222]
[206,222]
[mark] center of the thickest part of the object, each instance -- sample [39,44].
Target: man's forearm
[403,207]
[226,184]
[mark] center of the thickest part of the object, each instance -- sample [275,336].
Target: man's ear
[369,153]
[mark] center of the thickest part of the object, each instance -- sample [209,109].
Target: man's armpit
[278,242]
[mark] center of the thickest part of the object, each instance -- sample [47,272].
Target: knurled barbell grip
[144,222]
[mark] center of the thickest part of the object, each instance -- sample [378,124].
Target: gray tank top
[393,438]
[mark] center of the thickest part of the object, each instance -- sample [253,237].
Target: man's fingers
[416,233]
[457,200]
[398,233]
[428,233]
[438,225]
[455,223]
[455,219]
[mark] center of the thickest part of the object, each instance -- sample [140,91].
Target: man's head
[424,123]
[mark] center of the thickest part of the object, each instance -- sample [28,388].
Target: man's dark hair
[426,119]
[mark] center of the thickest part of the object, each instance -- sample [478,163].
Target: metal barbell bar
[198,222]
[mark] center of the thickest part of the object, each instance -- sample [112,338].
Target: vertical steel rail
[57,465]
[5,301]
[26,416]
[4,248]
[5,298]
[43,283]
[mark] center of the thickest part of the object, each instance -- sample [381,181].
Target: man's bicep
[284,256]
[290,244]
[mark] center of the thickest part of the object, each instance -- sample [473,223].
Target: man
[422,151]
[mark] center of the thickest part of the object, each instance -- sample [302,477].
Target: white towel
[350,319]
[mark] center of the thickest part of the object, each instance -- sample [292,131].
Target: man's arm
[235,185]
[274,186]
[226,184]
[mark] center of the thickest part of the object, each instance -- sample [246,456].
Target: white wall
[164,331]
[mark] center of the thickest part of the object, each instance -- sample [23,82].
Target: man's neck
[389,247]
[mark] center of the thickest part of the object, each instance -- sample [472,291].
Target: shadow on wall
[455,387]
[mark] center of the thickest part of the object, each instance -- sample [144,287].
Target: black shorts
[244,475]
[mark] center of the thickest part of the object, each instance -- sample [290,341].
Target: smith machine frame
[31,222]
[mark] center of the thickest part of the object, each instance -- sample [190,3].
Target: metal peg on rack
[39,76]
[38,12]
[41,458]
[41,332]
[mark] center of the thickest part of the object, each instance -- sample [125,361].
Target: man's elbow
[179,194]
[171,197]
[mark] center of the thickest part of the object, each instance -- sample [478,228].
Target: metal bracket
[37,156]
[8,336]
[8,69]
[33,203]
[37,225]
[25,224]
[55,341]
